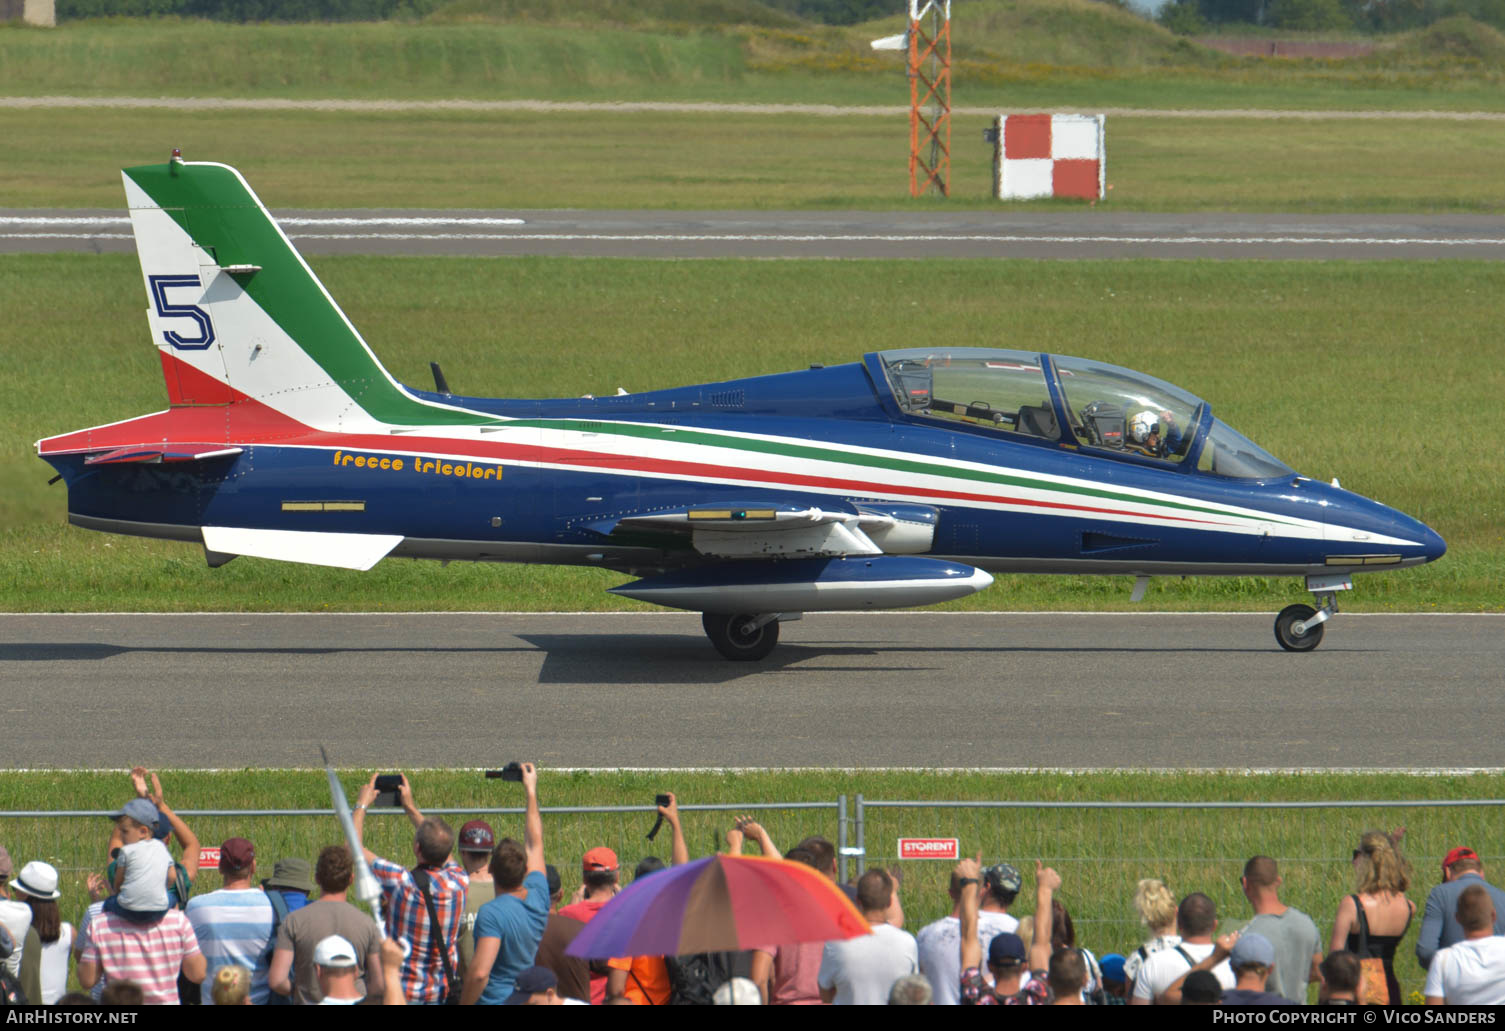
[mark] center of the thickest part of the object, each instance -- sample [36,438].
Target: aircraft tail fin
[236,312]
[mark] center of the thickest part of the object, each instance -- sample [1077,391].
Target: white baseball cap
[334,951]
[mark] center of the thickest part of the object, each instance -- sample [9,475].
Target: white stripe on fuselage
[887,485]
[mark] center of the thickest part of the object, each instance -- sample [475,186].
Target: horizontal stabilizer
[157,453]
[343,550]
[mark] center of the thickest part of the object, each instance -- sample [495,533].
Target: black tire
[1289,640]
[734,643]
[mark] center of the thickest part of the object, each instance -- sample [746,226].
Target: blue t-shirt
[518,925]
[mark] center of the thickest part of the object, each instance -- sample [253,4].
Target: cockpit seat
[1039,421]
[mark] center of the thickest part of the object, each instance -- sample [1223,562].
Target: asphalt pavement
[923,689]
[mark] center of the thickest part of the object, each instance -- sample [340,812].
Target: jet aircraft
[902,479]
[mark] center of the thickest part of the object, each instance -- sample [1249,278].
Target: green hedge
[249,10]
[831,12]
[1190,16]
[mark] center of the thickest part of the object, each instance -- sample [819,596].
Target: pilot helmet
[1143,425]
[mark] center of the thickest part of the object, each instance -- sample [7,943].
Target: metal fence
[1101,848]
[74,840]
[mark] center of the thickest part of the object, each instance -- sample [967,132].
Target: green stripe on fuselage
[678,434]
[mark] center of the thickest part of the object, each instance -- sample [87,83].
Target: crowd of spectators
[476,919]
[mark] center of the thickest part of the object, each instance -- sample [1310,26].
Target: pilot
[1154,433]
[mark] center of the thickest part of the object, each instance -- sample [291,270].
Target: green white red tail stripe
[214,262]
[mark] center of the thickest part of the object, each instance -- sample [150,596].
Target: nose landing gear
[1298,628]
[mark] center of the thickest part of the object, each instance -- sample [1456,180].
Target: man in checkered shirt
[407,914]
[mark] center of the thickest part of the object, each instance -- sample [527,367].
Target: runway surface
[890,689]
[842,234]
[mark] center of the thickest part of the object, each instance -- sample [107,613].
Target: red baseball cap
[600,858]
[1461,852]
[236,854]
[477,836]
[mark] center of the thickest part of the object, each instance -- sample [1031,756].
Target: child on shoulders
[144,868]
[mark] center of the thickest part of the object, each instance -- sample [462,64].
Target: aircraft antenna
[929,97]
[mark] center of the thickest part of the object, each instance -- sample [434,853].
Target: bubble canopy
[1074,402]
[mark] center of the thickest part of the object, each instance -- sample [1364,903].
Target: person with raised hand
[168,826]
[646,980]
[1020,977]
[746,827]
[938,941]
[510,926]
[425,905]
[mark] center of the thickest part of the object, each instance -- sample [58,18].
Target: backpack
[279,914]
[1095,993]
[10,989]
[693,979]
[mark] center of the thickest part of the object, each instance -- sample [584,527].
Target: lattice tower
[929,97]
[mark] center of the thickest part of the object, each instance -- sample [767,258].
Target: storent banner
[929,848]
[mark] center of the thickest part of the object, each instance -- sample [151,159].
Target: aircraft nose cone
[1433,546]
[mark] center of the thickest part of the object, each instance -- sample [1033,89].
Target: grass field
[1388,375]
[1100,852]
[1365,371]
[1020,52]
[511,160]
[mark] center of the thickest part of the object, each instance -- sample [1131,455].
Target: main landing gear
[1299,628]
[743,637]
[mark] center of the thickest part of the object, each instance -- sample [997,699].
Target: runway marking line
[1429,771]
[291,220]
[690,615]
[566,237]
[714,107]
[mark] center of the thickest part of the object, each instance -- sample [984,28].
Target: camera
[512,771]
[662,800]
[388,791]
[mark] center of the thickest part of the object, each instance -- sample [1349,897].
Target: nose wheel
[743,637]
[1299,628]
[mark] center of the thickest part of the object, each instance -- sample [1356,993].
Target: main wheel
[1286,634]
[737,639]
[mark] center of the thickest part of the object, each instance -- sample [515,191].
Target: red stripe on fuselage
[248,421]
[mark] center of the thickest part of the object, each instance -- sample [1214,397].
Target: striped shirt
[90,915]
[408,920]
[149,954]
[233,928]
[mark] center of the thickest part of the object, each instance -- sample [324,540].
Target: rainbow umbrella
[720,904]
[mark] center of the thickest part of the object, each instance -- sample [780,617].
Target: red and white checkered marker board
[1051,156]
